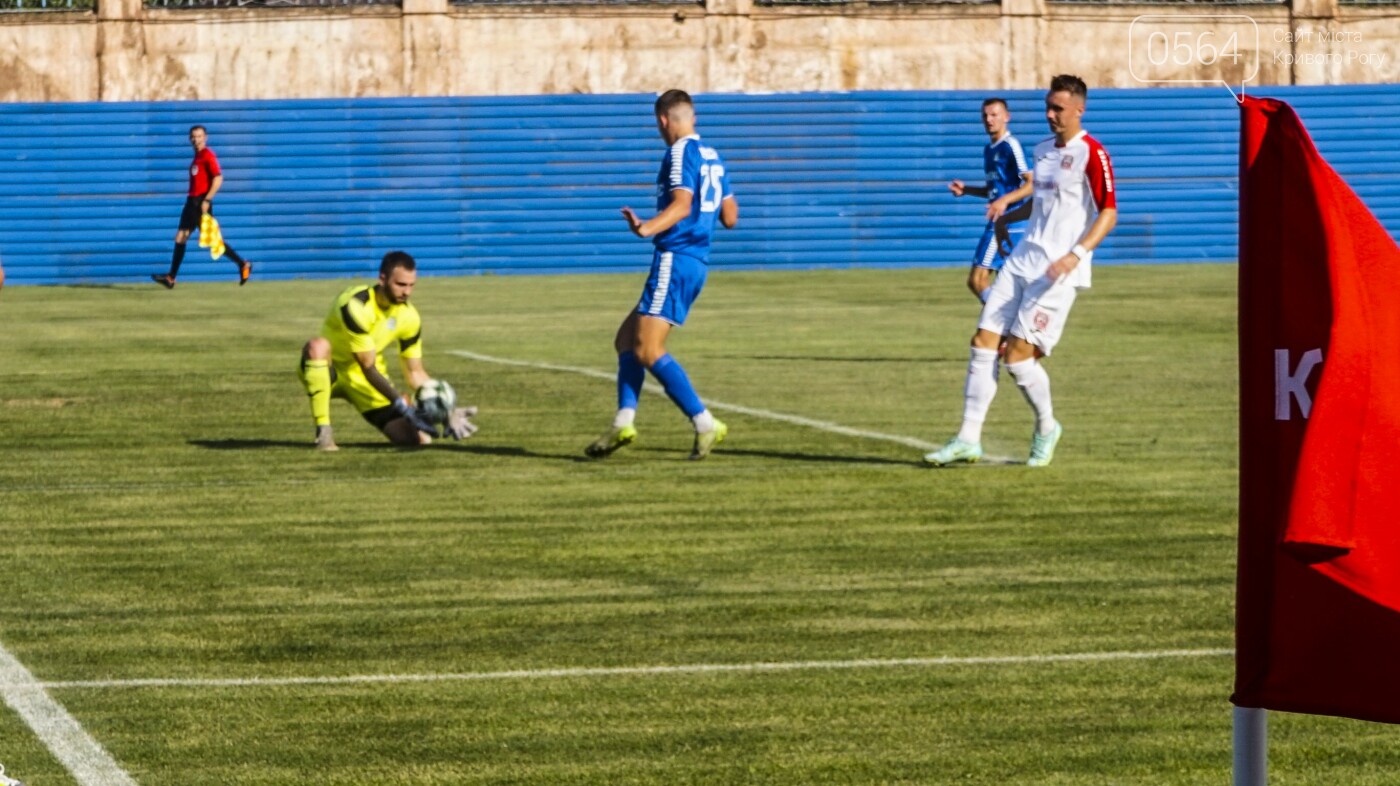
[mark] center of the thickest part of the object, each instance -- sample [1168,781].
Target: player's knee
[403,441]
[979,279]
[626,337]
[1018,350]
[986,339]
[402,433]
[647,355]
[317,349]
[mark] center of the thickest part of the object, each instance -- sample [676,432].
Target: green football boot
[612,440]
[706,442]
[955,452]
[1043,447]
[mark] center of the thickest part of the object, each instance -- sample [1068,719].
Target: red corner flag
[1318,617]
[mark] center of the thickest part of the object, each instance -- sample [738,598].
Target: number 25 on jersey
[711,187]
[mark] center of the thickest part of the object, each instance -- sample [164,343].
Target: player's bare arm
[414,375]
[998,206]
[729,212]
[1002,224]
[380,382]
[1103,224]
[677,209]
[214,186]
[960,189]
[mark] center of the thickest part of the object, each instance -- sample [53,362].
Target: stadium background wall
[92,192]
[129,51]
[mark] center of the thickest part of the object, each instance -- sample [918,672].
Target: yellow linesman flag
[211,237]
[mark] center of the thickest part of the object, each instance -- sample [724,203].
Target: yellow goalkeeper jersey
[357,324]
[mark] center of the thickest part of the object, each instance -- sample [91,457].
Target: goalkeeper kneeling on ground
[347,361]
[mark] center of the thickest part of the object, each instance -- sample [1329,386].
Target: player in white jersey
[1073,210]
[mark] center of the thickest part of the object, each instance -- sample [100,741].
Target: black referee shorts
[194,210]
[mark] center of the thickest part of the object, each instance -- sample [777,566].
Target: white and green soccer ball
[435,401]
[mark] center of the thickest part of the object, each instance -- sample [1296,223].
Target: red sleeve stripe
[1100,173]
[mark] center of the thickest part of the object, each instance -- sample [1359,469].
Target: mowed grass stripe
[625,671]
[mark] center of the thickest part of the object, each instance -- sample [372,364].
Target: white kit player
[1073,210]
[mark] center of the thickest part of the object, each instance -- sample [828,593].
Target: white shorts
[1031,309]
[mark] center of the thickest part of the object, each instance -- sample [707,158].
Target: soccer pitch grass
[164,518]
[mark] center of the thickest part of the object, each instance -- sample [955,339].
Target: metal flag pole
[1251,746]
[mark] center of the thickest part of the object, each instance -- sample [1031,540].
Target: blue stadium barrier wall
[315,188]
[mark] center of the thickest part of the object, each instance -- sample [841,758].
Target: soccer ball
[436,400]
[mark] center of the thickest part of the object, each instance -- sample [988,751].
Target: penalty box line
[796,420]
[624,671]
[84,757]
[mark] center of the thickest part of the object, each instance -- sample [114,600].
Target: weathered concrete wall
[48,57]
[428,47]
[240,53]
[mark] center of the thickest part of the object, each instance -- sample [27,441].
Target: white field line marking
[698,668]
[84,757]
[796,420]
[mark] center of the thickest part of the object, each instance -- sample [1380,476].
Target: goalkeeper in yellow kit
[347,360]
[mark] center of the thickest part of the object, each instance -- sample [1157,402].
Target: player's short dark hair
[395,259]
[670,100]
[994,100]
[198,128]
[1071,84]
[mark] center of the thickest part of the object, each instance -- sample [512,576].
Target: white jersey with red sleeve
[1072,184]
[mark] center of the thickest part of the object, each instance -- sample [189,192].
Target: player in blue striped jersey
[1004,163]
[692,193]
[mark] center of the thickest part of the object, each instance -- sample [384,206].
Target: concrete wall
[430,48]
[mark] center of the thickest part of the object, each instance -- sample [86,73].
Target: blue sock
[630,376]
[677,385]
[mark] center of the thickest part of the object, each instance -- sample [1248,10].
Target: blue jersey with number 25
[690,165]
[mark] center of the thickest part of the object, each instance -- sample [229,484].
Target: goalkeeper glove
[405,410]
[459,425]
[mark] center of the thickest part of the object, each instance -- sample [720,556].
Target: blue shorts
[988,254]
[674,284]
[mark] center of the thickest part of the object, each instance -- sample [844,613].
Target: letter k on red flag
[1318,613]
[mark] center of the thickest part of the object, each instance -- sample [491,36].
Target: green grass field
[163,517]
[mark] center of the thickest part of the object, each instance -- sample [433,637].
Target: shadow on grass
[510,451]
[986,462]
[125,286]
[456,447]
[506,450]
[834,359]
[721,452]
[263,444]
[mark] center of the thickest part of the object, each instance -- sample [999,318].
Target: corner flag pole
[1251,746]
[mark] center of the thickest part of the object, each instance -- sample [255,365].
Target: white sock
[1035,385]
[978,393]
[624,417]
[704,422]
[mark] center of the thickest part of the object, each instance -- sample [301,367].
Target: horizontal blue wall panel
[91,192]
